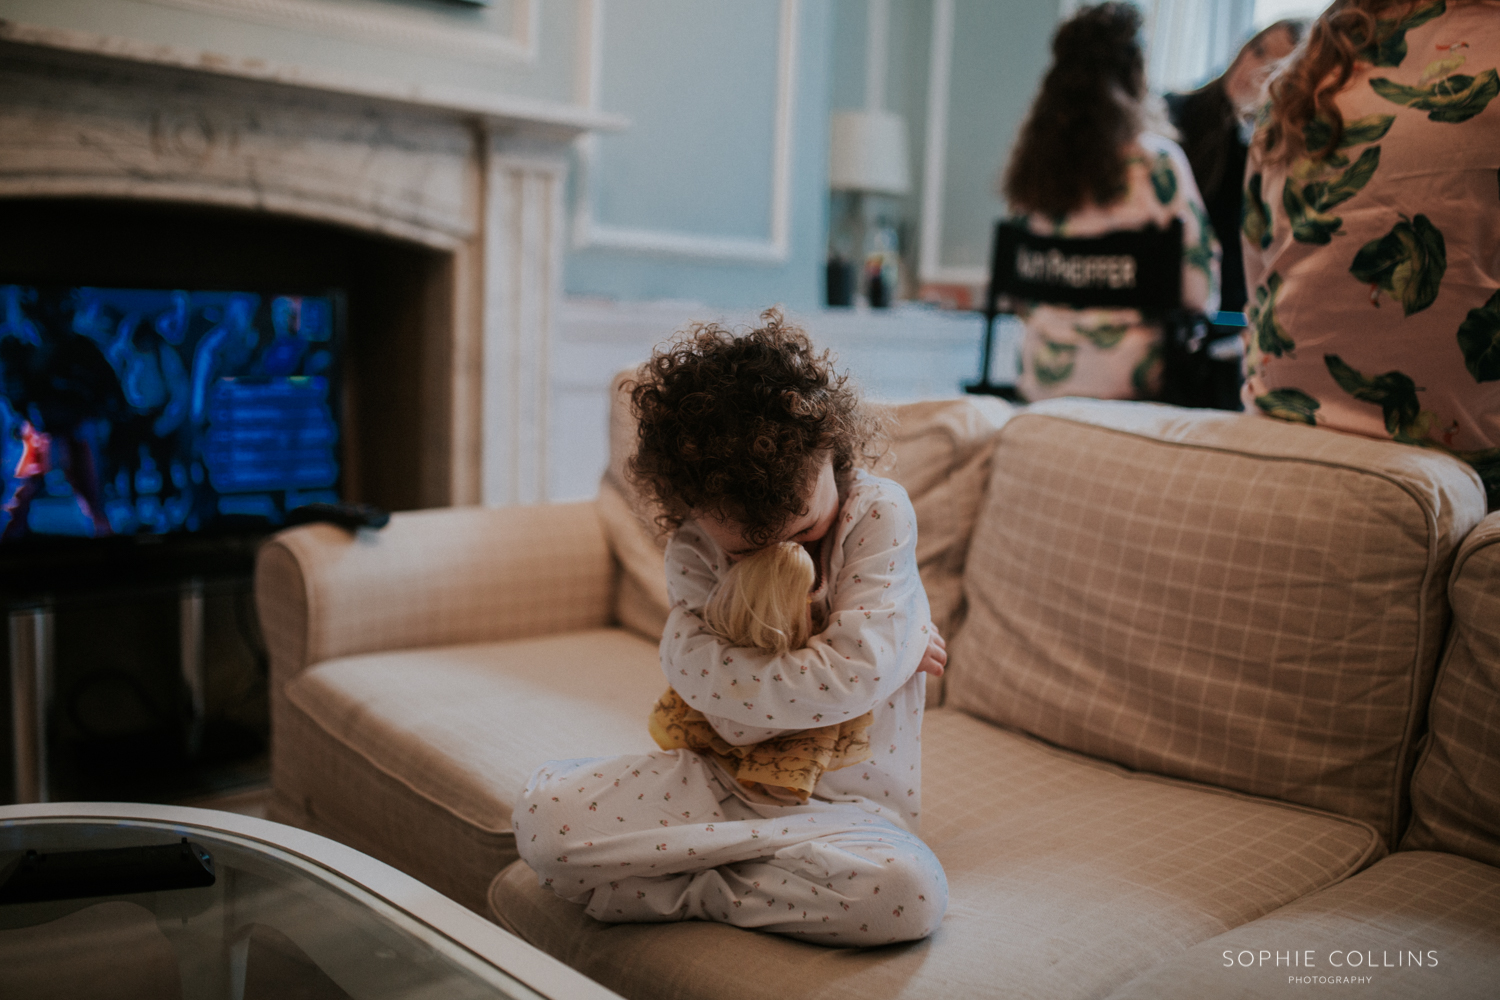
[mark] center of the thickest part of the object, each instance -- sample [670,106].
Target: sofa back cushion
[1214,596]
[1455,792]
[939,453]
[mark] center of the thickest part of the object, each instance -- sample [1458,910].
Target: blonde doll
[763,603]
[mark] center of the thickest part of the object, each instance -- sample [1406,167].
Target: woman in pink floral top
[1372,230]
[1086,164]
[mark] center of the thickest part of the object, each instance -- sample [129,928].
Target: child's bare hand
[936,657]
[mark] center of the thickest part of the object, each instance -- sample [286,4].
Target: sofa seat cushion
[1439,909]
[1220,597]
[417,756]
[1067,878]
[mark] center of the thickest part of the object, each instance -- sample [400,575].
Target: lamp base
[840,282]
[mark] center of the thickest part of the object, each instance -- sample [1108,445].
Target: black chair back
[1135,269]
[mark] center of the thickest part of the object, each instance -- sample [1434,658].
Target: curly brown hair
[733,426]
[1305,86]
[1072,149]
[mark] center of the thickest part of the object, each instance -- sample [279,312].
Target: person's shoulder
[690,538]
[864,482]
[1167,169]
[1146,153]
[871,493]
[1155,144]
[1478,14]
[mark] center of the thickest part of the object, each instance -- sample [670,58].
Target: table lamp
[867,155]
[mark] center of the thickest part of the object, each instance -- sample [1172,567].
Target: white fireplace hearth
[475,180]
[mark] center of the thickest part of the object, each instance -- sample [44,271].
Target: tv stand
[190,659]
[33,669]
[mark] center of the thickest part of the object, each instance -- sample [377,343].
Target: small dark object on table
[346,515]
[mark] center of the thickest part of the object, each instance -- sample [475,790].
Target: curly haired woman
[746,442]
[1372,230]
[1087,164]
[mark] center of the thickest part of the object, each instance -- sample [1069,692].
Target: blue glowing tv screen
[128,411]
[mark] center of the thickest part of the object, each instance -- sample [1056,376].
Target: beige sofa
[1224,694]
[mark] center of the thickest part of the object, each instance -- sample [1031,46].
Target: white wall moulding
[896,355]
[985,62]
[386,24]
[590,231]
[546,119]
[935,158]
[523,276]
[486,190]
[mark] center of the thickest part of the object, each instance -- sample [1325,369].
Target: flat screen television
[164,412]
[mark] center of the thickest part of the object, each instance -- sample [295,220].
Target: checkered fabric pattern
[1439,909]
[1067,878]
[417,756]
[940,454]
[412,595]
[431,578]
[1217,597]
[1456,787]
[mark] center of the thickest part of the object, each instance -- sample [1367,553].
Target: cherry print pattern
[824,872]
[712,852]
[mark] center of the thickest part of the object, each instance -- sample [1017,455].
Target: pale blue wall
[1000,49]
[697,78]
[846,89]
[701,99]
[691,123]
[698,81]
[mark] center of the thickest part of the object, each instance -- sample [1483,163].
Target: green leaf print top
[1374,263]
[1113,353]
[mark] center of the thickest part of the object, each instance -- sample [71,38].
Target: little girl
[746,442]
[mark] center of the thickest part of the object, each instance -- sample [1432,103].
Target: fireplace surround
[442,212]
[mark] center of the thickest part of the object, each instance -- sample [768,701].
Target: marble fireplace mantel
[478,177]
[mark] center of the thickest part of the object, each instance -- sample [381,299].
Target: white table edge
[532,966]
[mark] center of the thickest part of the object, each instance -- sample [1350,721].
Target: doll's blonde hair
[762,600]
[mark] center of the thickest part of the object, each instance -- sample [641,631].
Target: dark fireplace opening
[128,713]
[395,400]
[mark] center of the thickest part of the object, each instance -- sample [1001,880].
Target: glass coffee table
[288,914]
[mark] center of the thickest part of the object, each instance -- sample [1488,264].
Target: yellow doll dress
[793,762]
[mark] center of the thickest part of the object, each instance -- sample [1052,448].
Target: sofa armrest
[431,578]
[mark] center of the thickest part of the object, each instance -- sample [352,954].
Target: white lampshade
[867,152]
